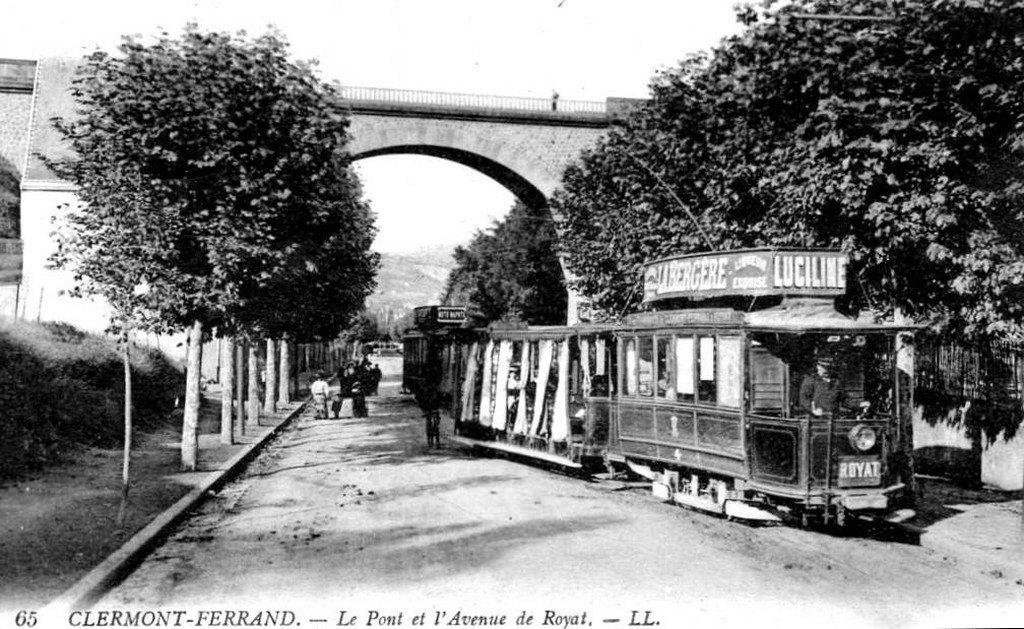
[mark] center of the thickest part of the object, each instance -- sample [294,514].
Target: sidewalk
[59,525]
[982,528]
[217,464]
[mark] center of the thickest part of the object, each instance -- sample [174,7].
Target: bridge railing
[470,101]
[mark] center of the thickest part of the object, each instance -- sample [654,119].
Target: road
[343,519]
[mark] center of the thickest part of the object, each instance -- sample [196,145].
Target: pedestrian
[358,391]
[429,403]
[375,376]
[346,382]
[320,390]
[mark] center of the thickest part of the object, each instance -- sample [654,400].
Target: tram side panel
[543,392]
[679,403]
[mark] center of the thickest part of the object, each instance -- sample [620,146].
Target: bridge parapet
[471,101]
[396,102]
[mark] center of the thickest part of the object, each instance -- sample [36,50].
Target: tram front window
[828,374]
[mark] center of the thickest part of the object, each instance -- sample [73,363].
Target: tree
[898,140]
[213,173]
[511,270]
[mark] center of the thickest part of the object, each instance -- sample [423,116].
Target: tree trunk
[127,458]
[293,364]
[284,394]
[254,384]
[190,419]
[905,401]
[227,385]
[240,356]
[269,403]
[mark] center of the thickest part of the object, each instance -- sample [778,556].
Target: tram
[427,349]
[792,405]
[740,390]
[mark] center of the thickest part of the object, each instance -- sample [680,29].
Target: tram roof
[550,331]
[793,316]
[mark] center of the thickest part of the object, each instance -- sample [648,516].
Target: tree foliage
[511,270]
[899,141]
[216,188]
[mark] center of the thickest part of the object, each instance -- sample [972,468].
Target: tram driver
[821,393]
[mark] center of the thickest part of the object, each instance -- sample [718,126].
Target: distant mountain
[407,280]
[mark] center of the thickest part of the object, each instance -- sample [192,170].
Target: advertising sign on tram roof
[747,272]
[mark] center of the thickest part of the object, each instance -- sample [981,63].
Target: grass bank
[62,389]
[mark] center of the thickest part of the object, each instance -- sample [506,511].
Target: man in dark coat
[821,393]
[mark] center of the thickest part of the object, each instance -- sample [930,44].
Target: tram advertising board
[10,261]
[748,272]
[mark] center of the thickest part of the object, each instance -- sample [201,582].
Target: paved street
[356,515]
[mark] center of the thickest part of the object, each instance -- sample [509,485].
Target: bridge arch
[521,186]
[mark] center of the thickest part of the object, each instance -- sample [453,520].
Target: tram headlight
[862,437]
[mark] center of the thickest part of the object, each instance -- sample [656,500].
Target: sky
[583,49]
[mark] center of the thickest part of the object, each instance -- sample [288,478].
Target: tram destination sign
[427,316]
[10,261]
[748,272]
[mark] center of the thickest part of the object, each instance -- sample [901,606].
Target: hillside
[407,280]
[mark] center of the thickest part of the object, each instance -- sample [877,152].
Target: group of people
[356,380]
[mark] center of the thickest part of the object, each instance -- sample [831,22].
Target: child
[320,390]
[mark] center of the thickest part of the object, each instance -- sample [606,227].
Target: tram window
[729,379]
[684,368]
[666,381]
[646,366]
[706,387]
[631,388]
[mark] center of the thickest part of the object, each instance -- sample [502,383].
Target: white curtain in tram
[467,384]
[546,350]
[519,427]
[501,389]
[486,399]
[585,365]
[560,417]
[446,370]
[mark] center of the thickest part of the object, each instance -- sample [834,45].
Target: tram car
[529,391]
[741,390]
[427,349]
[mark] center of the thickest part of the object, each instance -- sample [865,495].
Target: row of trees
[893,129]
[216,197]
[511,270]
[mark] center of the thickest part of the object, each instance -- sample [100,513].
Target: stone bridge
[522,143]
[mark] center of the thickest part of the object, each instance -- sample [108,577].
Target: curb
[90,588]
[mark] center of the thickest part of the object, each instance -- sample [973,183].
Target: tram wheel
[842,517]
[805,520]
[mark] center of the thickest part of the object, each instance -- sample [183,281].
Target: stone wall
[14,116]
